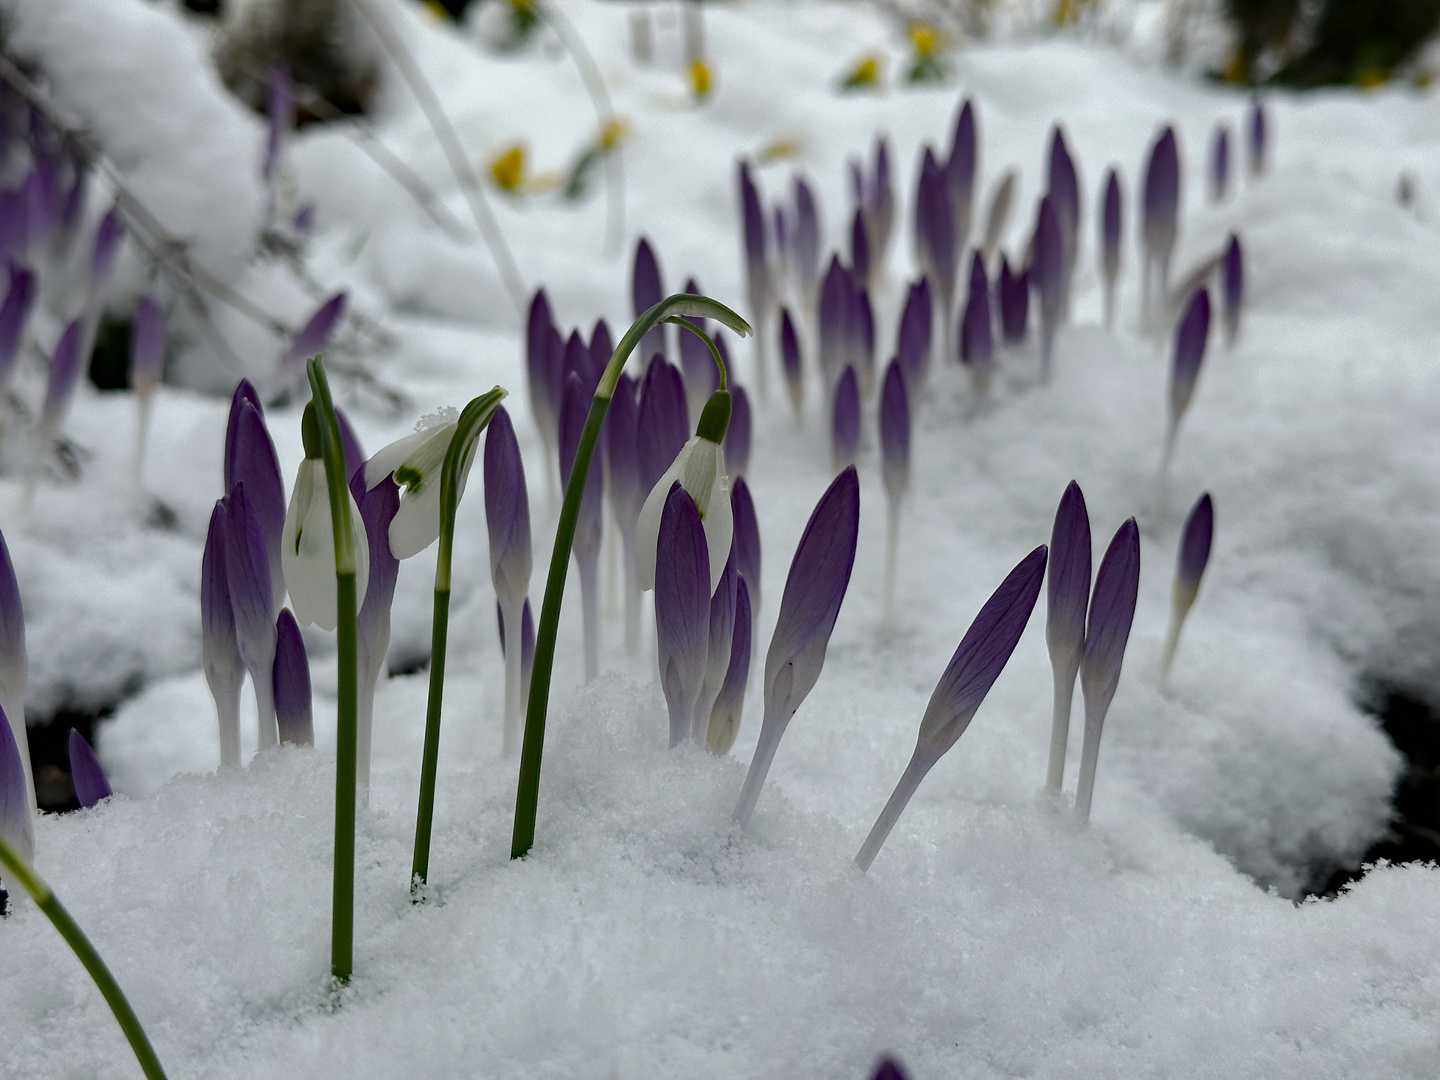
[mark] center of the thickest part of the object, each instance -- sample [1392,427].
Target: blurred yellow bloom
[613,133]
[509,168]
[778,149]
[866,74]
[924,38]
[699,78]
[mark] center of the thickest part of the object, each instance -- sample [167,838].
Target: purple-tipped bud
[350,444]
[1232,287]
[912,346]
[576,360]
[17,817]
[14,313]
[377,507]
[880,204]
[64,373]
[1069,592]
[1047,275]
[960,173]
[746,537]
[1257,128]
[602,347]
[790,360]
[589,527]
[1014,302]
[1195,541]
[845,421]
[757,274]
[859,249]
[250,459]
[108,235]
[315,334]
[663,426]
[1162,195]
[682,607]
[219,646]
[1110,221]
[1064,192]
[507,511]
[895,431]
[147,345]
[626,494]
[543,405]
[730,702]
[977,341]
[13,658]
[837,297]
[1191,336]
[737,435]
[935,229]
[87,776]
[646,290]
[247,572]
[807,236]
[281,115]
[291,673]
[1112,609]
[1220,163]
[702,378]
[887,1068]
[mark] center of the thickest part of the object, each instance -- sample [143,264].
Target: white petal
[389,458]
[647,526]
[719,528]
[307,552]
[417,523]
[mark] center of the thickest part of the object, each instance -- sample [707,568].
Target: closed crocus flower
[417,461]
[307,549]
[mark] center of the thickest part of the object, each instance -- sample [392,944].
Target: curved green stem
[20,871]
[473,420]
[342,899]
[672,308]
[679,320]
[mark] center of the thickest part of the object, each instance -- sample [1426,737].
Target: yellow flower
[924,38]
[866,73]
[699,79]
[613,133]
[509,168]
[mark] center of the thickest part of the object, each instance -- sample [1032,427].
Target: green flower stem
[671,309]
[20,871]
[461,451]
[342,906]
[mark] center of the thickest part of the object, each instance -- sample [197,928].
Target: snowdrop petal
[308,548]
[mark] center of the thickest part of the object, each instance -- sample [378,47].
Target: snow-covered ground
[645,936]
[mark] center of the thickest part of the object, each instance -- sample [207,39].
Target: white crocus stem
[920,764]
[1065,667]
[512,612]
[700,468]
[771,729]
[307,548]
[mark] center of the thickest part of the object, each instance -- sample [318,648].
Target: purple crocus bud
[14,313]
[108,235]
[247,571]
[717,657]
[702,378]
[17,811]
[147,345]
[1065,195]
[960,174]
[935,233]
[1160,209]
[790,362]
[746,537]
[646,291]
[1110,221]
[507,511]
[912,346]
[64,373]
[895,432]
[219,647]
[1195,541]
[977,342]
[14,661]
[862,338]
[682,608]
[377,507]
[837,297]
[845,421]
[1014,302]
[87,776]
[602,347]
[819,576]
[1232,287]
[730,702]
[576,361]
[664,422]
[590,525]
[354,454]
[543,405]
[1047,275]
[1259,140]
[737,435]
[1191,336]
[1112,609]
[757,272]
[281,115]
[1069,597]
[313,337]
[250,459]
[12,224]
[880,204]
[859,249]
[807,238]
[887,1068]
[293,716]
[1220,163]
[981,656]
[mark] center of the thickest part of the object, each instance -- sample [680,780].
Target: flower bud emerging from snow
[807,238]
[14,313]
[108,235]
[1110,222]
[861,350]
[417,461]
[17,813]
[912,346]
[889,1069]
[1069,597]
[977,342]
[879,206]
[312,338]
[1220,163]
[147,345]
[645,292]
[64,372]
[13,658]
[1162,196]
[717,657]
[539,360]
[737,435]
[730,702]
[87,776]
[507,511]
[1014,301]
[790,361]
[960,173]
[1065,194]
[293,715]
[845,421]
[1259,140]
[622,464]
[1232,287]
[746,532]
[682,607]
[1047,275]
[935,230]
[1195,542]
[663,424]
[895,432]
[1191,335]
[757,273]
[837,296]
[250,459]
[219,648]
[859,249]
[700,470]
[247,573]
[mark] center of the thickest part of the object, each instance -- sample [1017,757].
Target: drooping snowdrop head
[845,421]
[417,462]
[1191,336]
[895,431]
[17,821]
[507,511]
[1162,194]
[1195,540]
[87,775]
[1112,609]
[1069,592]
[293,714]
[147,345]
[682,606]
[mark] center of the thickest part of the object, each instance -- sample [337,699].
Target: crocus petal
[576,360]
[757,276]
[746,532]
[1195,540]
[960,172]
[730,702]
[889,1069]
[377,510]
[1191,336]
[1220,162]
[790,360]
[1232,285]
[315,334]
[507,511]
[1049,266]
[717,656]
[87,776]
[845,421]
[737,435]
[912,346]
[621,454]
[663,424]
[108,235]
[859,248]
[1110,222]
[589,525]
[354,454]
[1259,140]
[1064,191]
[682,607]
[291,674]
[1112,609]
[64,373]
[646,291]
[247,572]
[977,343]
[250,459]
[837,295]
[17,817]
[537,361]
[1014,302]
[1162,194]
[1069,592]
[147,344]
[219,648]
[935,229]
[807,234]
[895,431]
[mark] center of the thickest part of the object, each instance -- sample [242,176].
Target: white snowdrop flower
[307,545]
[700,468]
[417,462]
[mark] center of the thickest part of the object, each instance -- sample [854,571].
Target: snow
[644,936]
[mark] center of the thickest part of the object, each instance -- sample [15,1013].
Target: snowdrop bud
[377,510]
[507,511]
[895,432]
[1064,192]
[737,435]
[87,776]
[837,296]
[1014,302]
[281,115]
[1232,287]
[14,313]
[912,347]
[790,361]
[543,405]
[646,291]
[682,607]
[1069,592]
[1162,195]
[845,421]
[12,225]
[247,573]
[977,342]
[807,236]
[219,648]
[960,173]
[65,364]
[1190,339]
[859,249]
[1259,136]
[350,443]
[1047,275]
[108,235]
[1220,163]
[17,815]
[147,345]
[621,460]
[250,459]
[747,538]
[291,674]
[417,461]
[702,378]
[663,424]
[717,657]
[730,702]
[935,229]
[1110,221]
[1195,541]
[757,273]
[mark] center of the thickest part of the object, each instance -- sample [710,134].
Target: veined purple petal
[13,224]
[981,656]
[1232,286]
[247,572]
[1064,191]
[1069,593]
[1112,609]
[315,334]
[790,359]
[377,510]
[845,421]
[589,527]
[64,373]
[696,364]
[1110,221]
[859,249]
[737,435]
[807,235]
[895,431]
[717,655]
[219,647]
[977,342]
[250,459]
[14,313]
[1162,194]
[291,673]
[13,658]
[245,394]
[108,235]
[17,819]
[281,116]
[1220,162]
[87,776]
[1190,337]
[602,347]
[1257,128]
[746,538]
[626,494]
[354,455]
[507,510]
[646,290]
[682,607]
[1014,302]
[935,229]
[819,576]
[912,345]
[960,173]
[837,296]
[543,405]
[756,272]
[664,422]
[730,702]
[147,344]
[1195,541]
